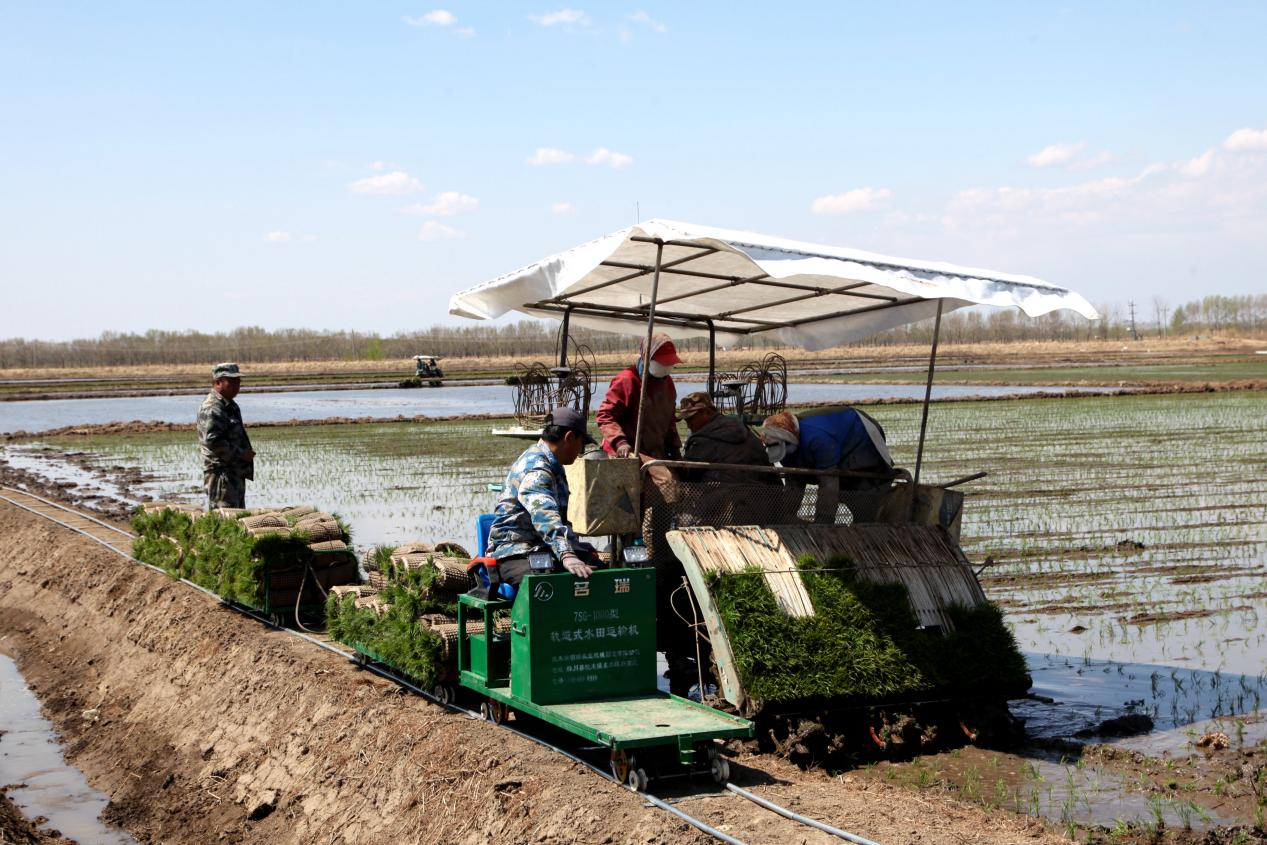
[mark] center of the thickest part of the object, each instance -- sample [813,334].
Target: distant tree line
[537,340]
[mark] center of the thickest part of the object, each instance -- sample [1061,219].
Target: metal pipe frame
[643,270]
[563,335]
[928,393]
[712,356]
[646,352]
[898,474]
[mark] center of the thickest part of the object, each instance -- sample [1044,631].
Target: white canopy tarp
[802,294]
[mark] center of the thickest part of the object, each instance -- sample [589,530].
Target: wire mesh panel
[680,504]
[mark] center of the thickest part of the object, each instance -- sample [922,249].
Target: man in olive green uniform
[227,457]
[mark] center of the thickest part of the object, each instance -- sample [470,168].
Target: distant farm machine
[427,372]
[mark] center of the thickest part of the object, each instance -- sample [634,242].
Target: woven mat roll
[268,531]
[318,532]
[315,516]
[264,520]
[296,511]
[411,548]
[182,507]
[433,619]
[448,634]
[412,561]
[451,574]
[231,513]
[361,591]
[373,603]
[330,546]
[451,549]
[376,579]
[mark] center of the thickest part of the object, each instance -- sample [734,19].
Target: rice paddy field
[1126,528]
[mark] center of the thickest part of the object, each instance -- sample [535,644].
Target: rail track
[119,541]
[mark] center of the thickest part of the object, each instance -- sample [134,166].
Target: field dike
[204,726]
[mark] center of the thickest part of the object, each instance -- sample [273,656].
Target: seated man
[719,439]
[531,515]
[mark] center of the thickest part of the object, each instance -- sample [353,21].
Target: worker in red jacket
[617,417]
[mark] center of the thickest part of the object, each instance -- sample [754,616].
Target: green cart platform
[580,655]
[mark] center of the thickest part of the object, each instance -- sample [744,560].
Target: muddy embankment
[203,726]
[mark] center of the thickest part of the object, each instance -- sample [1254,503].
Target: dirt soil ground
[201,725]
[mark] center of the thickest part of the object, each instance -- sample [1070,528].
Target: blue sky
[350,165]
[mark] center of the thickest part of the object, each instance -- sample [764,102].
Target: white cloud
[434,231]
[1055,154]
[1246,139]
[436,17]
[280,237]
[1092,161]
[561,208]
[446,204]
[859,199]
[549,155]
[566,17]
[465,32]
[647,21]
[394,183]
[614,160]
[1198,166]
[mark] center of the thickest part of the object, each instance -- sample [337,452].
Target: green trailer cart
[580,655]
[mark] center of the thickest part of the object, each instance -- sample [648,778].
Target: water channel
[43,783]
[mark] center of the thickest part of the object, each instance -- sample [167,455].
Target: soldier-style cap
[570,419]
[693,403]
[226,370]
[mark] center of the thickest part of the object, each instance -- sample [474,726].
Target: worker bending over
[531,515]
[833,438]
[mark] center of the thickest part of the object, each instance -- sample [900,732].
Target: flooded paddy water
[44,414]
[1125,536]
[39,780]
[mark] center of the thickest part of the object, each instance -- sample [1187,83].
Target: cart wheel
[442,693]
[621,765]
[637,778]
[720,770]
[494,711]
[275,619]
[361,660]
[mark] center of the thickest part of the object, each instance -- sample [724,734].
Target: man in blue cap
[228,460]
[531,515]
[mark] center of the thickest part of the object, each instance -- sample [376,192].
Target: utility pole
[1134,333]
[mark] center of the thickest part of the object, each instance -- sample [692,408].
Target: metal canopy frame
[568,304]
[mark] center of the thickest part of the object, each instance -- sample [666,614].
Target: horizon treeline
[533,339]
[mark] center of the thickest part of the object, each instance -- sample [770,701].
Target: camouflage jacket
[532,511]
[223,438]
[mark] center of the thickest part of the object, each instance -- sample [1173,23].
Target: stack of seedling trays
[405,615]
[278,561]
